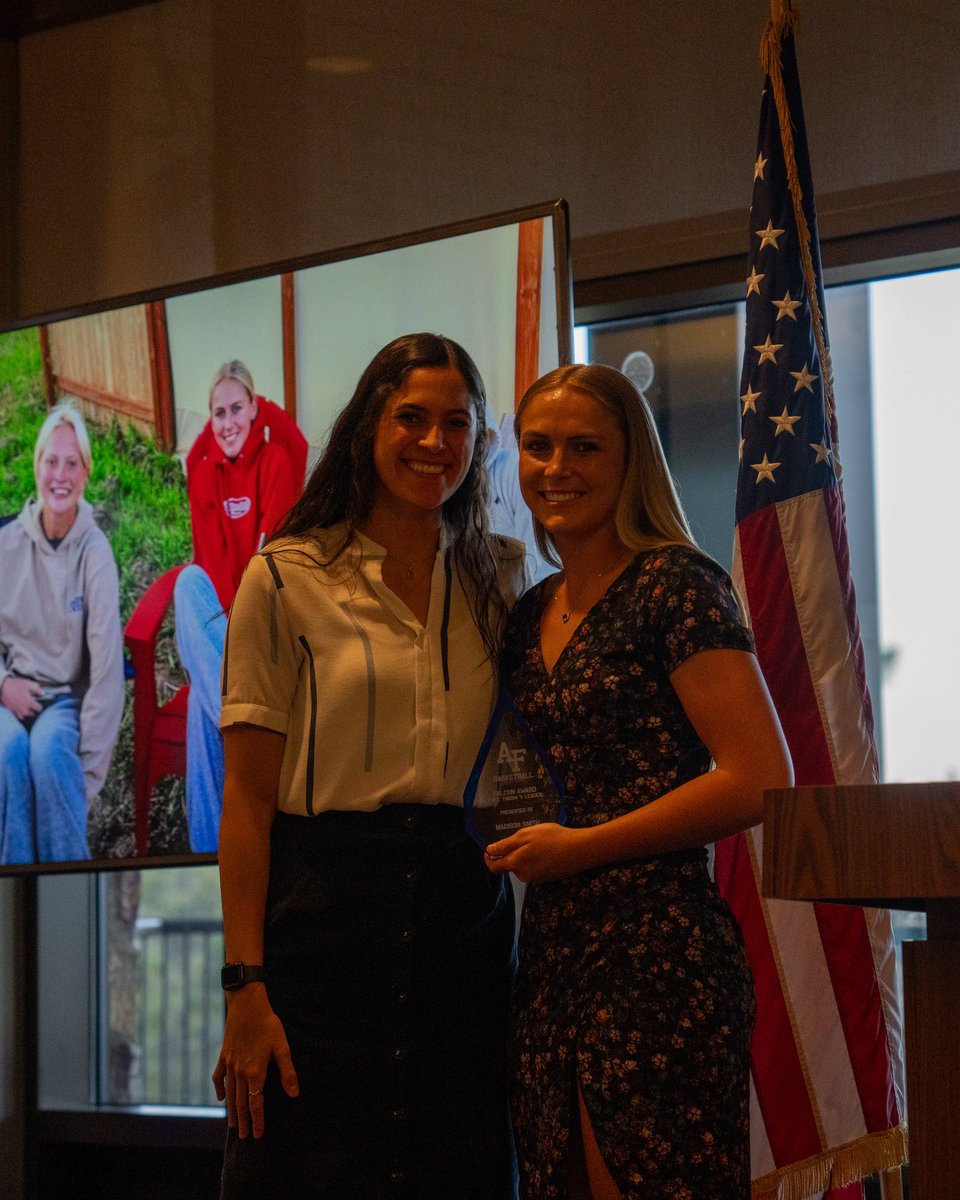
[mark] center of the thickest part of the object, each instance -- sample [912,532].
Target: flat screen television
[140,368]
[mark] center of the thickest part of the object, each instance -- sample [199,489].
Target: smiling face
[232,412]
[573,461]
[424,440]
[61,478]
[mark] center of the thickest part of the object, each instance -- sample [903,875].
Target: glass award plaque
[513,783]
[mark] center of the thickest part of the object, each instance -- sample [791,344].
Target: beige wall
[190,137]
[194,136]
[209,328]
[346,310]
[8,176]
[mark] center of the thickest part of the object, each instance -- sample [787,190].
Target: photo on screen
[104,783]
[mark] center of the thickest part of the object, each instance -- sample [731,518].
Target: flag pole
[784,18]
[827,1081]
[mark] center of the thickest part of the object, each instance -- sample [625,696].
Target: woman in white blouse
[369,952]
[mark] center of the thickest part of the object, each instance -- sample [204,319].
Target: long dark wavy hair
[343,485]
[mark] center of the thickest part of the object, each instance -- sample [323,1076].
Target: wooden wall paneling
[158,340]
[896,845]
[529,267]
[104,360]
[49,379]
[288,301]
[931,979]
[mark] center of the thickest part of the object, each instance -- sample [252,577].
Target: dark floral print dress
[633,982]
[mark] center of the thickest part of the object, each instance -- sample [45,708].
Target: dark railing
[181,1008]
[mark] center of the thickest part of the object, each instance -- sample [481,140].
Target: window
[913,336]
[145,1029]
[890,344]
[164,1006]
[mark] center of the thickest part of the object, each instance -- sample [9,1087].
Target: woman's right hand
[21,696]
[253,1035]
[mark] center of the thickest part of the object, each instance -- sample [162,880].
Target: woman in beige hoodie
[61,655]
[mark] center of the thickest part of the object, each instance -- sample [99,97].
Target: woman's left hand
[540,853]
[21,697]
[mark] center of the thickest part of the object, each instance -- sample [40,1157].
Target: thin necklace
[565,616]
[414,563]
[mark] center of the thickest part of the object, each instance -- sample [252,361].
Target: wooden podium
[891,846]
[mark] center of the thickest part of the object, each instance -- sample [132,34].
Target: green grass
[139,498]
[21,413]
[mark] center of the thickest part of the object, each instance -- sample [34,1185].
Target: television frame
[169,422]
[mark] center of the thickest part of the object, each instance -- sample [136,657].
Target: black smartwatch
[234,976]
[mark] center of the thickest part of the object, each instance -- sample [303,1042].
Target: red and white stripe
[826,1053]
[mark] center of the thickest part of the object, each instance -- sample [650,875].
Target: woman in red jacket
[241,481]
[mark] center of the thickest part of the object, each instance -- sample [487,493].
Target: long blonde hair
[649,514]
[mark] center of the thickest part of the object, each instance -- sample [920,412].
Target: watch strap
[234,976]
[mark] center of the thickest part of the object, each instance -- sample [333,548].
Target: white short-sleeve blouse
[376,708]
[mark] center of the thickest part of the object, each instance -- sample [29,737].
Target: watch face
[236,975]
[231,976]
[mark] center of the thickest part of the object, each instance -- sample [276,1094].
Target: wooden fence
[115,362]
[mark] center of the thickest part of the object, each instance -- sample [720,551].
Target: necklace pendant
[565,617]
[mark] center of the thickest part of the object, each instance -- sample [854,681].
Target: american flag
[827,1103]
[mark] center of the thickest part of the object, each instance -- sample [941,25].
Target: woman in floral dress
[634,1003]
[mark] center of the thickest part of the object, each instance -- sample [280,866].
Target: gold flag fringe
[835,1168]
[785,19]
